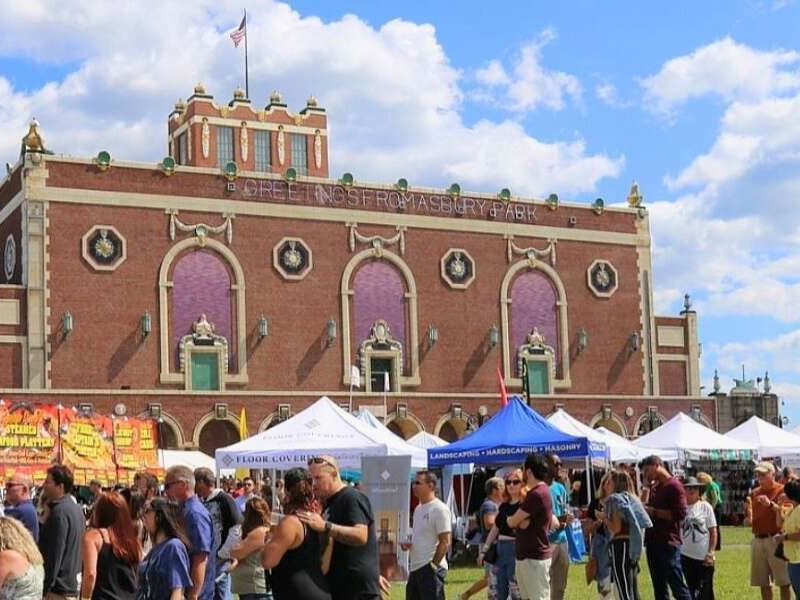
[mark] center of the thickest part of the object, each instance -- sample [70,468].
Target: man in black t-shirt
[348,520]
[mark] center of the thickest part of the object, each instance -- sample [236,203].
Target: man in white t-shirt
[430,539]
[699,538]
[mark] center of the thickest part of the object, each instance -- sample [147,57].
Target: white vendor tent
[693,440]
[194,459]
[565,422]
[397,445]
[625,451]
[426,440]
[769,439]
[322,428]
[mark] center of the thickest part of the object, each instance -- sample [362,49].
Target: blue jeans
[794,577]
[666,572]
[504,570]
[222,587]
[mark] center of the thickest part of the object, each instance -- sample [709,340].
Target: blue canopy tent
[509,436]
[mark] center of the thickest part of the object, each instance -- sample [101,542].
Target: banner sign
[386,484]
[28,436]
[135,444]
[87,446]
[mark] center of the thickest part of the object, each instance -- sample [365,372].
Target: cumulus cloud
[725,69]
[530,84]
[392,96]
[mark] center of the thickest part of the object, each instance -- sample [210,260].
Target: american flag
[240,33]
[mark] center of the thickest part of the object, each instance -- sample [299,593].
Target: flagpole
[246,71]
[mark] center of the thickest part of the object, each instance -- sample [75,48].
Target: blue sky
[699,102]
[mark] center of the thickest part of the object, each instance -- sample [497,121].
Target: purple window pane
[533,304]
[202,285]
[379,293]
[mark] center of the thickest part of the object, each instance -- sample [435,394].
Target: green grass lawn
[731,580]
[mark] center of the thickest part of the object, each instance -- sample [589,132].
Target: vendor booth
[728,460]
[623,450]
[398,446]
[769,440]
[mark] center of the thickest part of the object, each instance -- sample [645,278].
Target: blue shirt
[25,513]
[558,493]
[165,568]
[201,535]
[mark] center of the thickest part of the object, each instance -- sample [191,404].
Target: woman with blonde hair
[21,564]
[505,584]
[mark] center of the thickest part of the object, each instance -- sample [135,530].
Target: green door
[538,377]
[205,371]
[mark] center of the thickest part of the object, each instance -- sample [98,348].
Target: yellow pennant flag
[240,472]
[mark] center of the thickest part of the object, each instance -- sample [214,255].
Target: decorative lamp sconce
[433,335]
[67,323]
[598,206]
[330,329]
[454,190]
[102,160]
[146,324]
[552,201]
[583,340]
[504,195]
[263,327]
[494,336]
[167,166]
[230,171]
[401,185]
[634,342]
[290,174]
[347,179]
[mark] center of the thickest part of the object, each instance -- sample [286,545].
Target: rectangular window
[205,371]
[224,146]
[380,375]
[182,149]
[538,378]
[299,154]
[263,151]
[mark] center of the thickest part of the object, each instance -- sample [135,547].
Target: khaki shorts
[765,569]
[533,579]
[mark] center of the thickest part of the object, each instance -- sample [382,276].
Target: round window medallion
[458,268]
[602,278]
[292,258]
[10,257]
[103,248]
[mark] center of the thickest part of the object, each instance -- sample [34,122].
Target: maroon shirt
[532,542]
[671,496]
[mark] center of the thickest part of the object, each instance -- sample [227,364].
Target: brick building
[236,273]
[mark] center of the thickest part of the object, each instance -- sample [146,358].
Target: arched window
[533,306]
[201,316]
[201,285]
[379,321]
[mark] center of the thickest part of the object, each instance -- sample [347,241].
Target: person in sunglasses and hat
[699,539]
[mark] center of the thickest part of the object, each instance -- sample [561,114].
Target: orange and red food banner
[94,446]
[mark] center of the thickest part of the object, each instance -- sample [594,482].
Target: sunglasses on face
[513,482]
[320,460]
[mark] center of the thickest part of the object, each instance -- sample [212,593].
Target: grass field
[731,580]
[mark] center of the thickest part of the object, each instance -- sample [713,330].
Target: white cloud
[530,85]
[392,96]
[726,69]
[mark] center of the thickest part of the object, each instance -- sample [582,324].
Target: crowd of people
[189,538]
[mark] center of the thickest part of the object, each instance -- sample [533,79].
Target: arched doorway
[610,421]
[217,433]
[452,429]
[404,427]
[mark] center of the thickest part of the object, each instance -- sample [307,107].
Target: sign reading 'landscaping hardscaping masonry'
[340,196]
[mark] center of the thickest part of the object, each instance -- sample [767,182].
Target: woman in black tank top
[111,551]
[294,553]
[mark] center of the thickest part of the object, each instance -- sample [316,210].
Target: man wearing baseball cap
[763,506]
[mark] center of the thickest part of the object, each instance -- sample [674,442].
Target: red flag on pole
[503,392]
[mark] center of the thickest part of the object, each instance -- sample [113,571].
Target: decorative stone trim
[10,257]
[531,253]
[167,420]
[292,258]
[104,248]
[201,230]
[535,349]
[602,278]
[381,344]
[376,241]
[206,419]
[607,415]
[457,268]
